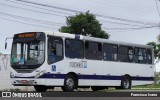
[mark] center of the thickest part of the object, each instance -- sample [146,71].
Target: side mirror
[6,45]
[6,41]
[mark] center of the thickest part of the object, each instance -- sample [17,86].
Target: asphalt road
[84,98]
[99,95]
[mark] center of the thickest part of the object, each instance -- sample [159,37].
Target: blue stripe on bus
[142,78]
[59,76]
[99,77]
[92,77]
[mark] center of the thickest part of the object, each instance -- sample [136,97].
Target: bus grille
[24,70]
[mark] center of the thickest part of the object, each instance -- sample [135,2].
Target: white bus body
[85,72]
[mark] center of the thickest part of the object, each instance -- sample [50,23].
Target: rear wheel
[94,88]
[69,84]
[40,88]
[125,83]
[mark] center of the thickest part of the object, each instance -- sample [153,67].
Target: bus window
[74,48]
[149,56]
[140,55]
[55,49]
[109,52]
[123,54]
[130,54]
[93,50]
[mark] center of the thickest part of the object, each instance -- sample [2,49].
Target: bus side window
[130,54]
[74,48]
[123,54]
[149,56]
[109,52]
[136,55]
[93,50]
[140,55]
[55,49]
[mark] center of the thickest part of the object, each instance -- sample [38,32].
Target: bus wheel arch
[70,82]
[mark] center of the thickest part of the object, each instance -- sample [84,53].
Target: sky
[131,21]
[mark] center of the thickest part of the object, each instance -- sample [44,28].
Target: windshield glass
[28,51]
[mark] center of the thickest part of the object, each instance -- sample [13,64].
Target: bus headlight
[11,75]
[40,74]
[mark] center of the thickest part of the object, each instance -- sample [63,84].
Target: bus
[52,59]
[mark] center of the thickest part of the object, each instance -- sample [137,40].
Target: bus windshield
[27,51]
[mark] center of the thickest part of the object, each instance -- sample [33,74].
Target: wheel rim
[126,83]
[69,83]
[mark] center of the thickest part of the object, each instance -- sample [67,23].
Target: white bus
[49,59]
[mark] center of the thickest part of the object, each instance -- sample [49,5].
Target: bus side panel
[100,73]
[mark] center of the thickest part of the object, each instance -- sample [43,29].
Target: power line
[119,4]
[126,20]
[63,16]
[131,28]
[76,11]
[56,28]
[27,23]
[40,4]
[2,4]
[120,23]
[31,19]
[42,21]
[38,7]
[98,15]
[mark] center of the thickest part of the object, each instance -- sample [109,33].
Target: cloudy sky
[134,21]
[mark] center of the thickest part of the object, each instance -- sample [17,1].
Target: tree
[84,24]
[158,38]
[156,48]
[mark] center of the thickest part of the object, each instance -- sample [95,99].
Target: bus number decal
[82,64]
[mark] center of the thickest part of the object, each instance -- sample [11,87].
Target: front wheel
[69,84]
[40,88]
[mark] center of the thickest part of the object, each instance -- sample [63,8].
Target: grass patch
[157,86]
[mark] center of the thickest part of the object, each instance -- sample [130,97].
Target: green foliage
[84,24]
[156,48]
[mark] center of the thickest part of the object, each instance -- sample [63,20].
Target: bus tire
[40,88]
[94,88]
[126,83]
[69,83]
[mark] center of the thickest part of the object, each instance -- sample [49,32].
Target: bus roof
[81,37]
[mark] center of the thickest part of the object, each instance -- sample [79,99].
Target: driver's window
[55,49]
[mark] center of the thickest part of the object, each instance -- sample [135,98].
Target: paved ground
[114,90]
[84,98]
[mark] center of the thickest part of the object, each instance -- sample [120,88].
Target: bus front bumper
[27,81]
